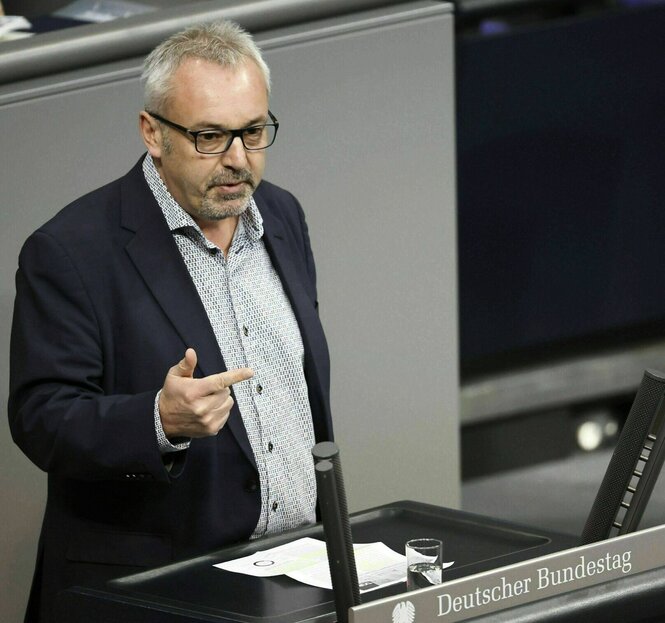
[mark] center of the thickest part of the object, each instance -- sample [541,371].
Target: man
[142,307]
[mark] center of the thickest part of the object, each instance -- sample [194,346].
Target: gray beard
[218,210]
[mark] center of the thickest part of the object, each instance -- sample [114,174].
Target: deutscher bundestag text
[544,578]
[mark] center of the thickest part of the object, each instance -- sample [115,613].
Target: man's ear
[151,133]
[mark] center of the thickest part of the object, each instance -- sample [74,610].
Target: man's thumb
[185,367]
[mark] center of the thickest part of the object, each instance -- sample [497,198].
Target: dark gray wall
[366,142]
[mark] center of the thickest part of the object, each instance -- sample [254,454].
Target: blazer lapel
[306,315]
[157,258]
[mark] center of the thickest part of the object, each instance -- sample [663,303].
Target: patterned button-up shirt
[255,327]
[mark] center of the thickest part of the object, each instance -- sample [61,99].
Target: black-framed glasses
[218,140]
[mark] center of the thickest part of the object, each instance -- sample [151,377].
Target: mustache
[235,177]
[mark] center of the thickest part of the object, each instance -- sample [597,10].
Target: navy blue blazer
[104,307]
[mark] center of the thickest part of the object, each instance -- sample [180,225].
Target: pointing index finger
[231,377]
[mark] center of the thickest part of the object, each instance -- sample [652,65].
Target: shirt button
[245,331]
[270,446]
[274,506]
[259,389]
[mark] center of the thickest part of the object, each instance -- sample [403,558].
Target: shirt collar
[177,218]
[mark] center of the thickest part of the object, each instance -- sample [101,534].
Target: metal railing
[130,37]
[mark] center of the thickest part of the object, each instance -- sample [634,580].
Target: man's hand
[192,407]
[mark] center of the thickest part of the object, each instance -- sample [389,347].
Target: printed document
[306,561]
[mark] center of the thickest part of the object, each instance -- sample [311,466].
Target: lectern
[194,590]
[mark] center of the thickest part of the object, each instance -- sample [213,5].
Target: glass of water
[424,560]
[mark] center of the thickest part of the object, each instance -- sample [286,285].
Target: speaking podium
[195,590]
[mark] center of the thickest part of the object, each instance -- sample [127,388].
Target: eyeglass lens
[216,141]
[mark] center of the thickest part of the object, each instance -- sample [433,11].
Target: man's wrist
[166,446]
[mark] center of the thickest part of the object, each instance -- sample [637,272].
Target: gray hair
[222,42]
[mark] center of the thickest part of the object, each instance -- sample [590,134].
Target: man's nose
[235,156]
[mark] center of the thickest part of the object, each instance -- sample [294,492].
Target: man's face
[205,95]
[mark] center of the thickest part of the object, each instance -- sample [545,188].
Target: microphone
[336,527]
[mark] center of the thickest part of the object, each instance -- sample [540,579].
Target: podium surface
[195,590]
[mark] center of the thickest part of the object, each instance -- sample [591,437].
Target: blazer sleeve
[59,412]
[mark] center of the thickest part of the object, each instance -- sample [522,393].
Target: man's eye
[253,132]
[253,137]
[211,137]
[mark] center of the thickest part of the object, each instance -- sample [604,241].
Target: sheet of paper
[305,560]
[102,10]
[279,560]
[10,23]
[376,564]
